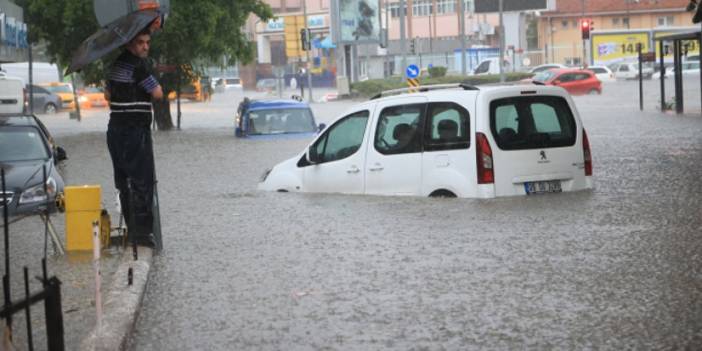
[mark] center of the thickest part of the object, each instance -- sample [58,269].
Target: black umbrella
[110,37]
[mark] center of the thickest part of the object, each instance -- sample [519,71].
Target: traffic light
[412,46]
[585,28]
[305,39]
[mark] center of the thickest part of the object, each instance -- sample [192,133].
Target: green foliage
[372,87]
[63,25]
[437,71]
[196,31]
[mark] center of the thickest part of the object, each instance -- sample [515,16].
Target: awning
[325,43]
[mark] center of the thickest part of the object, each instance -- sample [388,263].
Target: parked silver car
[44,100]
[26,150]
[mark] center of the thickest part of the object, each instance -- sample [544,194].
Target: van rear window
[532,122]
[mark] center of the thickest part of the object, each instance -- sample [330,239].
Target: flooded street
[618,267]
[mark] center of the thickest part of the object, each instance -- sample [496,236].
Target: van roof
[430,91]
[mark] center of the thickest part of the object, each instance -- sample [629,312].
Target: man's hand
[157,94]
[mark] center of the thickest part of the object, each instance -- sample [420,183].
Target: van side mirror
[321,127]
[312,155]
[60,154]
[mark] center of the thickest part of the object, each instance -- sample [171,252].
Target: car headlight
[37,194]
[83,99]
[265,175]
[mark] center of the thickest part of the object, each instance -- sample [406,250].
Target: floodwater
[618,267]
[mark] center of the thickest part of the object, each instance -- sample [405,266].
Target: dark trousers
[133,162]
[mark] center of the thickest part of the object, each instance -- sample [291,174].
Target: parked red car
[574,81]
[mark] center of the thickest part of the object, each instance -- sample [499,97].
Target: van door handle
[378,167]
[353,169]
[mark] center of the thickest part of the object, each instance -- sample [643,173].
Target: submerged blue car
[275,118]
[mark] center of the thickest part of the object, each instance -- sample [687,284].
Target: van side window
[447,127]
[398,130]
[532,122]
[342,139]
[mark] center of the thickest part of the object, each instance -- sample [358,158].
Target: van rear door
[11,95]
[537,145]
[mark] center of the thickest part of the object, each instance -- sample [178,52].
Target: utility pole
[580,23]
[462,36]
[307,71]
[386,70]
[403,41]
[502,45]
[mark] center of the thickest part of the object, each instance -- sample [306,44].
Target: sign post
[412,73]
[643,57]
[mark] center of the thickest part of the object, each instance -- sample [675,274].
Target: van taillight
[483,153]
[587,155]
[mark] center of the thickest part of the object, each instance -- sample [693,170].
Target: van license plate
[548,186]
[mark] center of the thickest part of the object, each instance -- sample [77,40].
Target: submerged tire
[442,193]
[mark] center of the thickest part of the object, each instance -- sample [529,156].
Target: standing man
[130,89]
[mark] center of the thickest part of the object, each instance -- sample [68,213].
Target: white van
[491,66]
[11,95]
[461,141]
[42,72]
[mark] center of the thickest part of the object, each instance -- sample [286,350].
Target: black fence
[50,293]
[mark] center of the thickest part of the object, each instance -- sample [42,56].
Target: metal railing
[50,294]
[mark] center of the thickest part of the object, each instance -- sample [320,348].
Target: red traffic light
[585,28]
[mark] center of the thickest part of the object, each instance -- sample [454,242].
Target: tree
[195,31]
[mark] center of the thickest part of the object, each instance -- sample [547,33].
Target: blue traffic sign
[412,71]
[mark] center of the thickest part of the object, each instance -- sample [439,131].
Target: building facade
[432,32]
[13,33]
[618,26]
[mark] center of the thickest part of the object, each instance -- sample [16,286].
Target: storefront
[13,36]
[279,47]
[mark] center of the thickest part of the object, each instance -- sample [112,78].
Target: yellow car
[64,90]
[90,97]
[197,90]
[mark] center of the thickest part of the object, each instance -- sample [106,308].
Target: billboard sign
[275,25]
[359,21]
[487,6]
[610,48]
[689,47]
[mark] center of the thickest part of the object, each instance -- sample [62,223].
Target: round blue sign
[412,71]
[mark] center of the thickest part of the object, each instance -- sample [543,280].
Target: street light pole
[580,24]
[462,36]
[502,45]
[403,44]
[307,71]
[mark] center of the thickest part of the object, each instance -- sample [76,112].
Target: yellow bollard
[83,207]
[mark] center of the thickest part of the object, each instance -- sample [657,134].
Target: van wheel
[442,193]
[50,109]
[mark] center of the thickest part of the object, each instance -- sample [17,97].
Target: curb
[121,304]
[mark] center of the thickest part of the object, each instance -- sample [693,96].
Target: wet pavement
[618,267]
